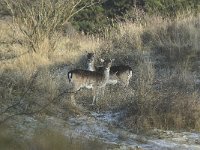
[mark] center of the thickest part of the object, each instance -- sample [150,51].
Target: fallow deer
[94,80]
[118,74]
[90,61]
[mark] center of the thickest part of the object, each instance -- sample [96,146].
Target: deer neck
[91,66]
[107,73]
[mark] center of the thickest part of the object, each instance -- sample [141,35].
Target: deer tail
[70,76]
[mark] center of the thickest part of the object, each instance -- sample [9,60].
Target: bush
[163,92]
[38,20]
[171,8]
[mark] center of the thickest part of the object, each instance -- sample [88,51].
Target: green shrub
[170,7]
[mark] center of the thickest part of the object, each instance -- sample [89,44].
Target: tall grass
[166,91]
[163,54]
[47,140]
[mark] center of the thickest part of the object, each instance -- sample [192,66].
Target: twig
[46,105]
[80,9]
[36,111]
[23,95]
[14,57]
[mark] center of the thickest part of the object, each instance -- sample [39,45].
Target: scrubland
[164,54]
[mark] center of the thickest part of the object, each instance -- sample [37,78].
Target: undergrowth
[163,53]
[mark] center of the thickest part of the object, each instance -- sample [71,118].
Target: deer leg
[124,81]
[127,82]
[95,95]
[75,89]
[103,90]
[94,100]
[128,78]
[73,101]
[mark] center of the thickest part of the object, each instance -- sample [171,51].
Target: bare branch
[23,94]
[40,19]
[36,111]
[80,9]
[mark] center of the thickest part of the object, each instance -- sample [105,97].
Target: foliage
[112,11]
[38,20]
[94,16]
[117,8]
[164,89]
[163,52]
[91,20]
[98,17]
[171,7]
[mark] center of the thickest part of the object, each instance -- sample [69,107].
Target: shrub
[38,20]
[163,92]
[171,8]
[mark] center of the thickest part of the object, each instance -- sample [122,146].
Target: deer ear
[102,60]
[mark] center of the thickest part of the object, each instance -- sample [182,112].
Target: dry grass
[18,66]
[50,140]
[163,54]
[47,140]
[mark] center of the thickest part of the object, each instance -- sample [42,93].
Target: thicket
[103,14]
[39,21]
[163,53]
[96,18]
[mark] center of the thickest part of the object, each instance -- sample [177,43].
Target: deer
[95,80]
[90,61]
[118,74]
